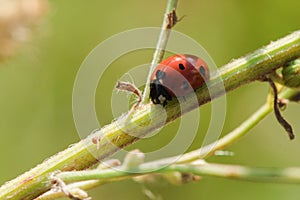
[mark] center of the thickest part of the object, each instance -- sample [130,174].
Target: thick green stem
[149,117]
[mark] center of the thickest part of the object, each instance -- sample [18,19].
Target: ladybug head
[158,93]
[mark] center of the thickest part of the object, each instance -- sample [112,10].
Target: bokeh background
[36,84]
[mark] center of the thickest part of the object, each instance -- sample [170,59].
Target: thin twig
[288,128]
[169,22]
[273,175]
[234,135]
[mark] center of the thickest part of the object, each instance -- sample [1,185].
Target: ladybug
[177,76]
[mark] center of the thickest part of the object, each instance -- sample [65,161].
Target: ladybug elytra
[177,76]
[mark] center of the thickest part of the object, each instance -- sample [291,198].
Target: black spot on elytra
[160,74]
[185,85]
[202,71]
[181,66]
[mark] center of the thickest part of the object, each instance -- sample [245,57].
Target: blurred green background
[36,88]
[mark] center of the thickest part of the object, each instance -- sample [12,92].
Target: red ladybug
[177,76]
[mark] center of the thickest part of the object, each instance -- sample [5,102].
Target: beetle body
[177,76]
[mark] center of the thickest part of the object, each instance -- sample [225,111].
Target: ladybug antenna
[181,18]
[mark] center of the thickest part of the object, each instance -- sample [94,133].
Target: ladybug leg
[164,97]
[164,103]
[168,96]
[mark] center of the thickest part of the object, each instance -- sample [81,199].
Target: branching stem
[201,153]
[148,118]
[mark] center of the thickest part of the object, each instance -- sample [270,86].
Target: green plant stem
[278,175]
[236,134]
[92,178]
[160,47]
[149,117]
[271,175]
[200,153]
